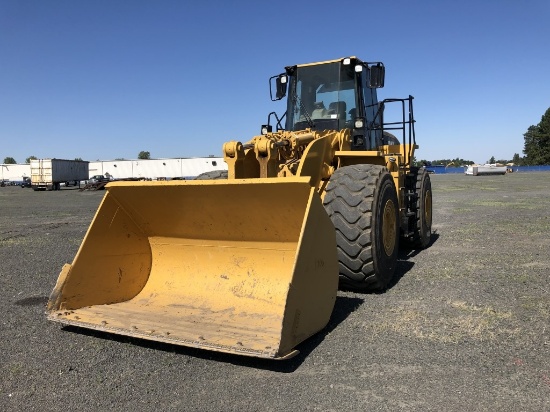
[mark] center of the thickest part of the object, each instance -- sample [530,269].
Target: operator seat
[319,111]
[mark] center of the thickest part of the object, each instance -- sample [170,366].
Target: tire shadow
[407,252]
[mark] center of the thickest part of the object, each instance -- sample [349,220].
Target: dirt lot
[464,327]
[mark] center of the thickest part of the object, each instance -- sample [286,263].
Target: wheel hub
[428,208]
[389,228]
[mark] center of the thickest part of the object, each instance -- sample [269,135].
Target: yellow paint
[241,266]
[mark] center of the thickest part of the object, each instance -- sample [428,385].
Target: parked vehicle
[98,179]
[48,174]
[247,261]
[26,182]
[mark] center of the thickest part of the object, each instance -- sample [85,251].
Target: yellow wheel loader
[249,261]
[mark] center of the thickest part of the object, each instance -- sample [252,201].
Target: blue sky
[106,79]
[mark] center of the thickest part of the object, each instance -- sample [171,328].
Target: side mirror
[281,82]
[376,77]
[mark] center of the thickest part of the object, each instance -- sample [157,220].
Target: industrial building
[153,169]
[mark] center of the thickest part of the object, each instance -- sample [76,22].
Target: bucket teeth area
[242,334]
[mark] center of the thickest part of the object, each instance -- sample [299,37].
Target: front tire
[361,201]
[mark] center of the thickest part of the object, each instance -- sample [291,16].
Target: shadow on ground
[343,307]
[404,264]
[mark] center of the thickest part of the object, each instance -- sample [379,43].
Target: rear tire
[421,206]
[213,175]
[361,201]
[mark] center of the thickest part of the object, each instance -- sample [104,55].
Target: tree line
[458,162]
[536,150]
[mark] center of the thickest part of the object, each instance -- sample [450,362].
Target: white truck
[49,174]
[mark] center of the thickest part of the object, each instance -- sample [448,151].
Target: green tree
[9,161]
[537,142]
[517,160]
[78,159]
[144,155]
[456,162]
[28,159]
[492,160]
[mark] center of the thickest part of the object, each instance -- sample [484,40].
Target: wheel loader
[249,261]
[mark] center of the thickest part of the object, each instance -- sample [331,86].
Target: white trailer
[14,173]
[157,168]
[486,169]
[48,174]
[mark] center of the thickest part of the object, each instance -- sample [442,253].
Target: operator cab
[321,97]
[334,95]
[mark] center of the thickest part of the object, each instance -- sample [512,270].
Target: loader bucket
[244,266]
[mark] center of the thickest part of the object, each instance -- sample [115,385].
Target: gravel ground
[465,325]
